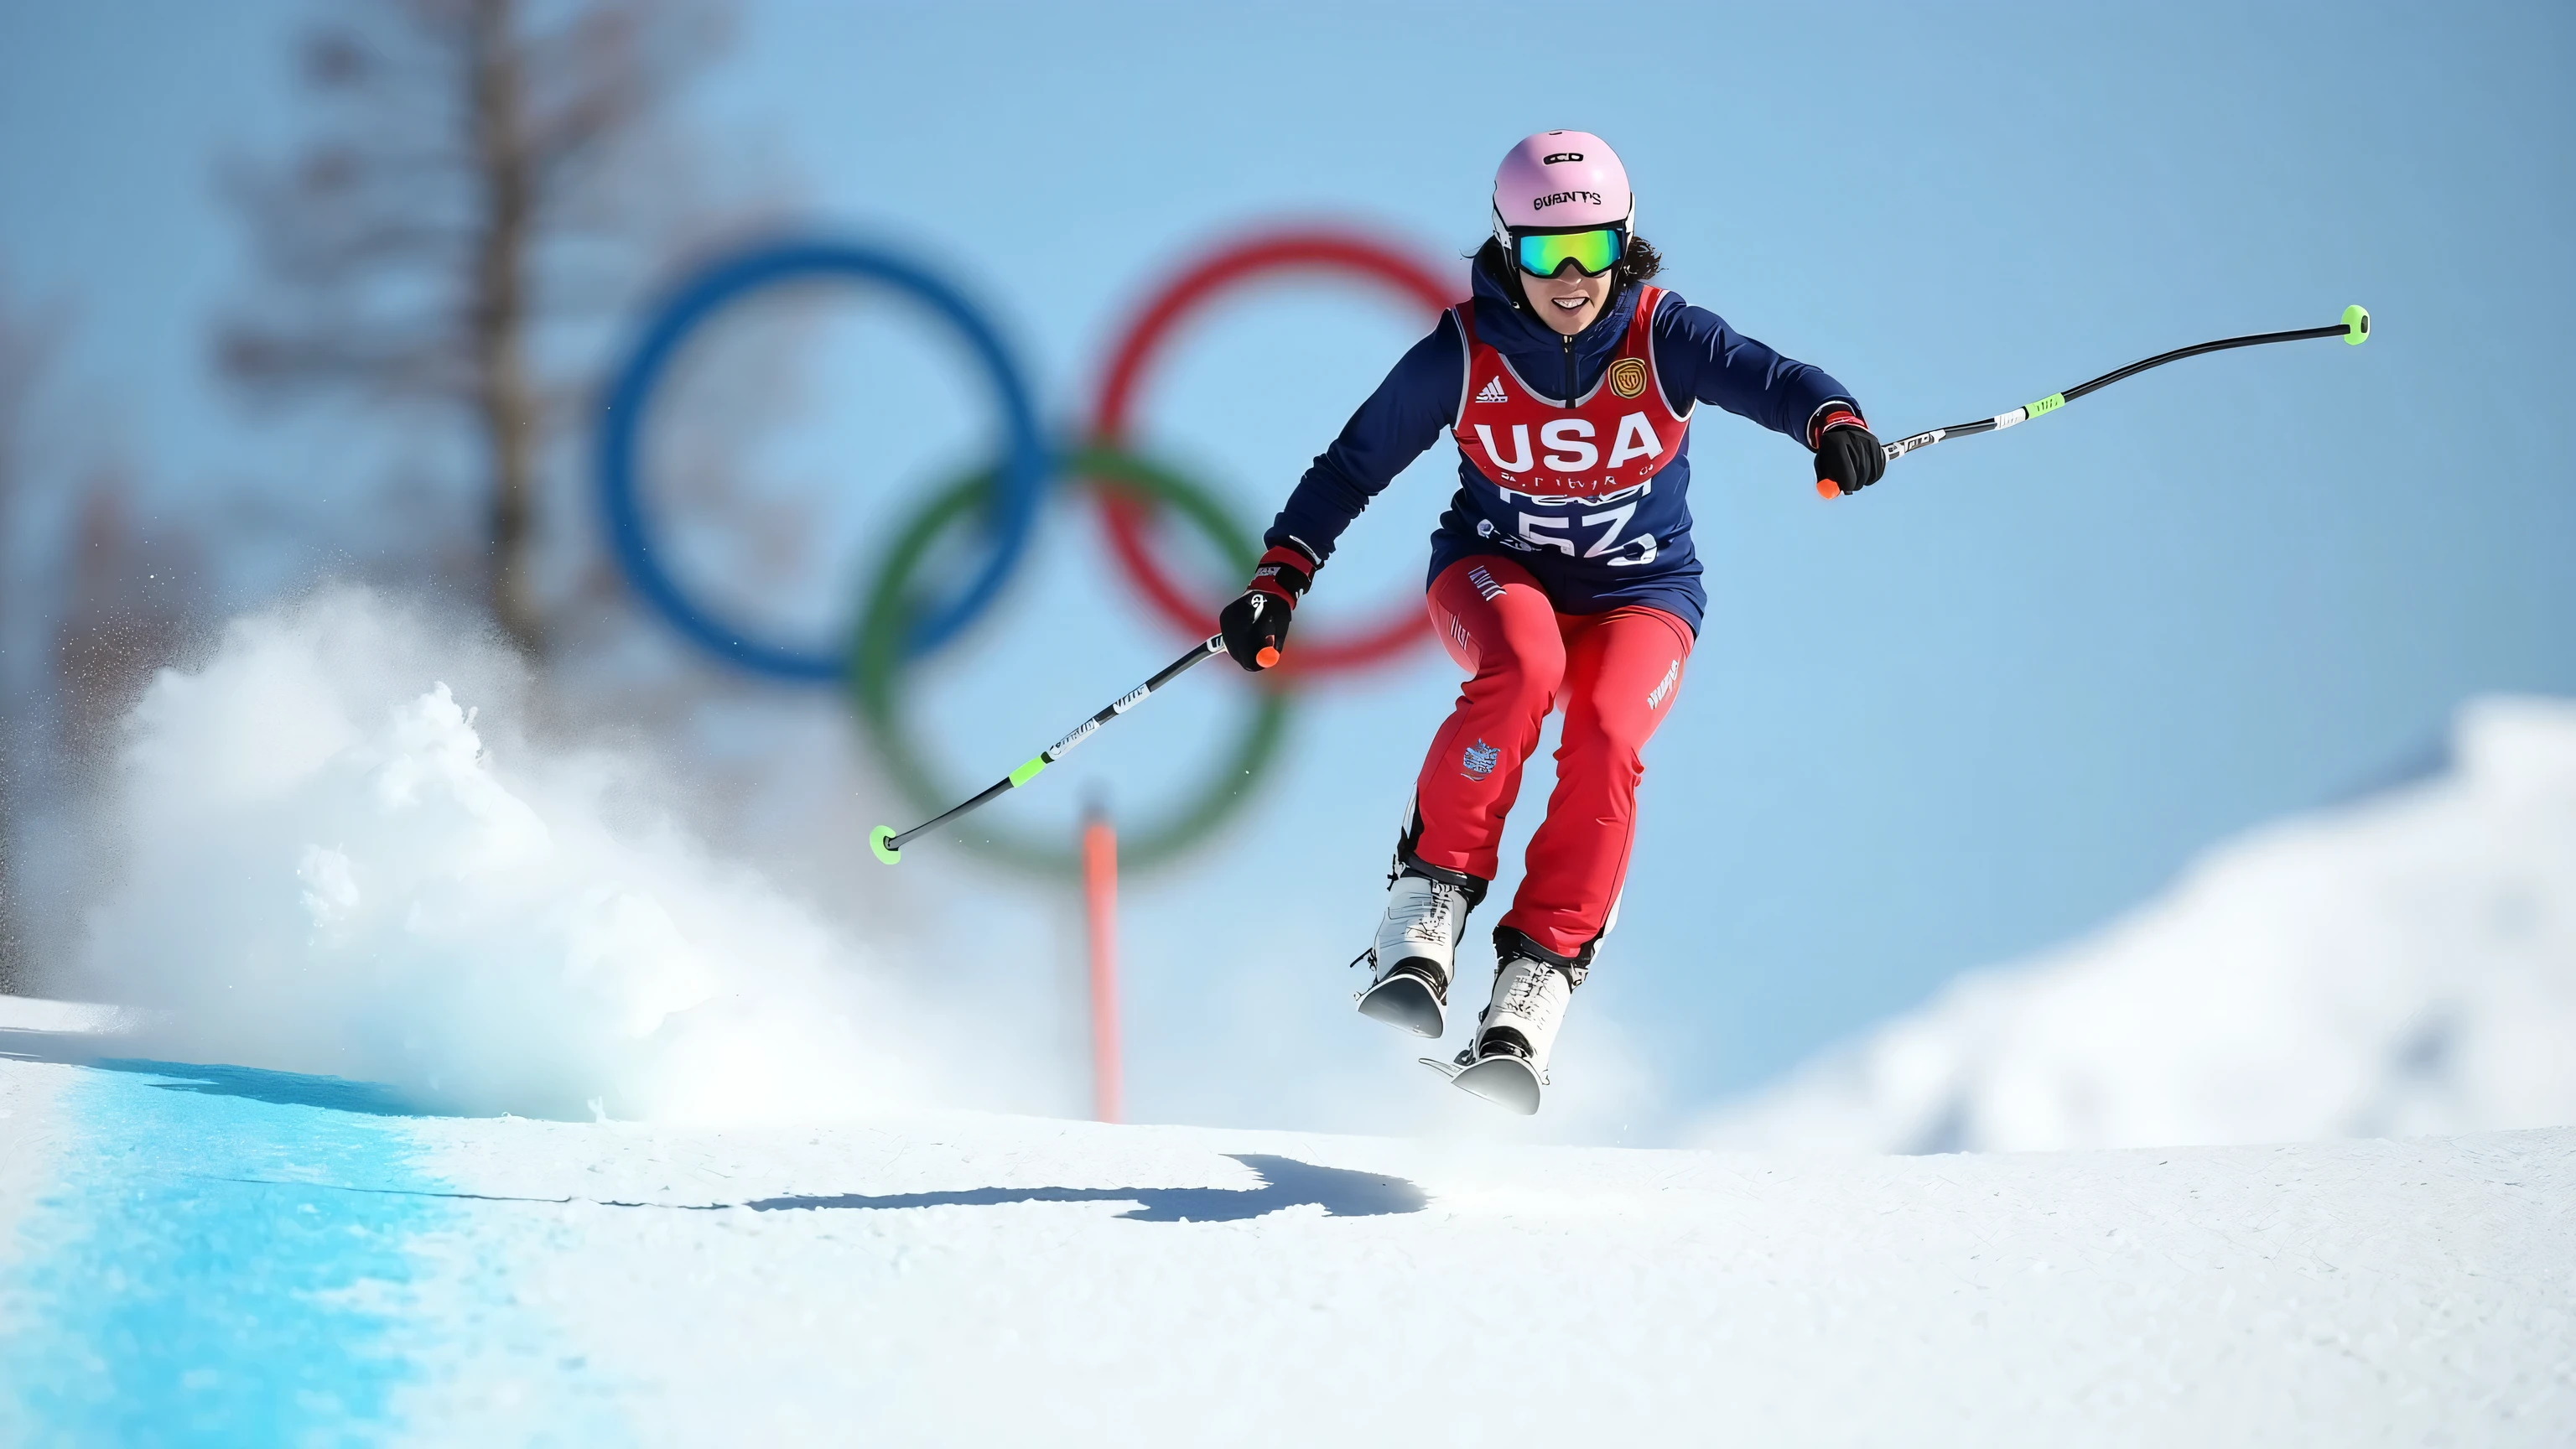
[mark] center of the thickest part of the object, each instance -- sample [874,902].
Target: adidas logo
[1493,390]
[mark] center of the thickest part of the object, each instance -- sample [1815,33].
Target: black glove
[1256,625]
[1847,457]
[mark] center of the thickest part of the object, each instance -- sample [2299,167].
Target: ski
[1404,1001]
[1505,1080]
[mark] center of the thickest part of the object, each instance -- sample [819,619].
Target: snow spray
[334,851]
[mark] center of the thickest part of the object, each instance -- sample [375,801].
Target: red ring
[1125,515]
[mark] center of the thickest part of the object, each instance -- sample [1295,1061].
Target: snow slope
[2405,964]
[258,1257]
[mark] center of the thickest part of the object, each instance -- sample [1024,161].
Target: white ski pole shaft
[888,844]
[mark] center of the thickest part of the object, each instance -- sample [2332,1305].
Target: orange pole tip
[1267,657]
[1827,488]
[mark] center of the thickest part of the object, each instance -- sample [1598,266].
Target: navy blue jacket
[1699,358]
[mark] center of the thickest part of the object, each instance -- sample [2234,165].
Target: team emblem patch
[1628,376]
[1479,760]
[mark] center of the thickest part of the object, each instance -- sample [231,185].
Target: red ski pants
[1617,674]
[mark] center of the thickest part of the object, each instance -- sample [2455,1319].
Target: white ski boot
[1417,947]
[1507,1063]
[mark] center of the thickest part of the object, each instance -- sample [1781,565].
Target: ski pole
[2354,329]
[889,846]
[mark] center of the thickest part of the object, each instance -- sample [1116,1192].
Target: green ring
[876,667]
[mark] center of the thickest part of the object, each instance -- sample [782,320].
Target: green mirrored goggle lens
[1594,252]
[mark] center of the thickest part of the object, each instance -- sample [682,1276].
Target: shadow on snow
[283,1089]
[257,1084]
[1285,1183]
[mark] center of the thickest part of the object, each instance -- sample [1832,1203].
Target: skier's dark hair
[1639,263]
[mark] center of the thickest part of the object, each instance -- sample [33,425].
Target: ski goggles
[1593,251]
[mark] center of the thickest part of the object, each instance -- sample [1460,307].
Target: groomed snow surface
[253,1257]
[332,854]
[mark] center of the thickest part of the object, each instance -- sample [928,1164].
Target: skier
[1563,572]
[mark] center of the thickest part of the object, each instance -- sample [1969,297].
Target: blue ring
[729,279]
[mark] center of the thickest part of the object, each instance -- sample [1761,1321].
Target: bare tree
[444,217]
[481,182]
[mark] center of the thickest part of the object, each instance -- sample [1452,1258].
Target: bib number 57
[1540,531]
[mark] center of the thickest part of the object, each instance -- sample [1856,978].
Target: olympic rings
[1404,625]
[876,667]
[896,626]
[1014,504]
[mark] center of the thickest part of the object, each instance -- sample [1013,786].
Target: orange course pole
[1100,908]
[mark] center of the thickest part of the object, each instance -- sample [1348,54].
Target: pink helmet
[1561,179]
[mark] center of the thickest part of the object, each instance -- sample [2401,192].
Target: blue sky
[1982,708]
